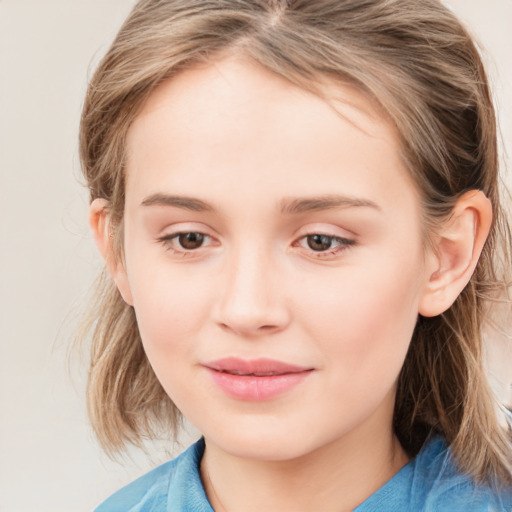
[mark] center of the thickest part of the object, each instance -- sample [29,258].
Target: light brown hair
[419,63]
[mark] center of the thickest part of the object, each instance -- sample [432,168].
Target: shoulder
[444,488]
[431,482]
[150,492]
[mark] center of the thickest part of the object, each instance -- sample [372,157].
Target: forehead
[236,86]
[235,123]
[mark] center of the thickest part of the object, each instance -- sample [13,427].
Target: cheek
[170,309]
[170,312]
[366,317]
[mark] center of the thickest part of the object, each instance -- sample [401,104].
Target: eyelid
[325,228]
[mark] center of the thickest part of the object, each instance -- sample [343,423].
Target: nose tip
[247,313]
[251,301]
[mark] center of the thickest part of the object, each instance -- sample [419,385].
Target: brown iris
[191,240]
[319,242]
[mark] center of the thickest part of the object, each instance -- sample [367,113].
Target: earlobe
[99,222]
[458,247]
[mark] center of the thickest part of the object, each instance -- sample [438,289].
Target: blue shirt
[428,483]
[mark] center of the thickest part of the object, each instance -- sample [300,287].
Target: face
[273,256]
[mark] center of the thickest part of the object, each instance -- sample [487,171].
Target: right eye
[184,242]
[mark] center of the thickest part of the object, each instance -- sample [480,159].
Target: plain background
[49,459]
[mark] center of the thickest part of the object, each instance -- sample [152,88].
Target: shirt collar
[186,491]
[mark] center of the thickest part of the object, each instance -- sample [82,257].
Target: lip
[256,379]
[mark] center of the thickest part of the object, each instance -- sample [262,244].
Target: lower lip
[257,389]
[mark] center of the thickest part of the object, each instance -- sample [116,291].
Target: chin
[262,442]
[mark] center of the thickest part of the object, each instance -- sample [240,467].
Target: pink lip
[257,379]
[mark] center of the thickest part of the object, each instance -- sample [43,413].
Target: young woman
[299,210]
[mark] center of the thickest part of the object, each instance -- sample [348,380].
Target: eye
[326,244]
[185,241]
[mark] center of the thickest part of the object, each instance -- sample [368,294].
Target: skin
[248,147]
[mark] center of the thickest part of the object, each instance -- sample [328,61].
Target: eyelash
[168,241]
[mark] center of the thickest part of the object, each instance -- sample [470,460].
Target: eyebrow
[289,206]
[187,203]
[294,206]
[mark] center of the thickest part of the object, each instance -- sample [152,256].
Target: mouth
[252,374]
[256,380]
[254,367]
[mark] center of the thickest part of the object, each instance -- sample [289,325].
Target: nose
[251,301]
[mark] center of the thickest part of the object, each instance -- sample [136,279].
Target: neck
[340,476]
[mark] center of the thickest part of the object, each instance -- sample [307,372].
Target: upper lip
[263,367]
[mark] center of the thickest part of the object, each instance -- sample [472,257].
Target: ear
[100,226]
[454,258]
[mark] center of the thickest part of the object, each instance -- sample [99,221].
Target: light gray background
[49,459]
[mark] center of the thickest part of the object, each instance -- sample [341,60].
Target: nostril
[244,330]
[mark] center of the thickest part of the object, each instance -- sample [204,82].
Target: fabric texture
[428,483]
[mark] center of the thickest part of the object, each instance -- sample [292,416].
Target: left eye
[320,243]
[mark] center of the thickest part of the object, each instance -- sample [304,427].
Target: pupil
[319,242]
[191,240]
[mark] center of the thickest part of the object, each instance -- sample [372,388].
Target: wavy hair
[421,66]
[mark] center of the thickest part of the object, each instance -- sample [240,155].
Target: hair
[421,66]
